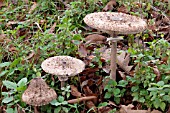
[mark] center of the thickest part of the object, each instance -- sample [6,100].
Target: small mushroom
[115,23]
[38,93]
[63,67]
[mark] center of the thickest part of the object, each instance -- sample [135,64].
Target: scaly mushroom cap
[38,93]
[63,66]
[115,22]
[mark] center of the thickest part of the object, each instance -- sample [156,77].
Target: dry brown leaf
[52,28]
[122,9]
[82,50]
[128,109]
[74,91]
[104,109]
[157,73]
[106,54]
[4,39]
[156,111]
[33,7]
[123,61]
[1,3]
[122,75]
[30,55]
[106,68]
[110,5]
[90,105]
[112,103]
[94,38]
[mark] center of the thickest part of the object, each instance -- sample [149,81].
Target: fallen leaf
[82,50]
[4,39]
[30,55]
[157,111]
[33,7]
[106,68]
[123,61]
[52,28]
[104,109]
[106,54]
[122,75]
[128,109]
[74,91]
[1,3]
[110,5]
[157,73]
[122,9]
[90,105]
[95,38]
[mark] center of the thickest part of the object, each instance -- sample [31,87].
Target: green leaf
[142,99]
[5,64]
[55,103]
[107,95]
[156,103]
[57,110]
[22,82]
[9,110]
[65,109]
[15,62]
[9,84]
[103,104]
[60,98]
[160,83]
[3,73]
[112,83]
[162,106]
[153,89]
[7,100]
[122,83]
[134,88]
[117,100]
[116,91]
[64,103]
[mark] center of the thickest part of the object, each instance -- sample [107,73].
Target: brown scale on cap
[38,93]
[113,21]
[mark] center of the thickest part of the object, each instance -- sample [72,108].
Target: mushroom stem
[35,109]
[113,60]
[62,84]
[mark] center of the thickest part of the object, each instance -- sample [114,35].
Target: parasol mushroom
[38,93]
[63,67]
[115,23]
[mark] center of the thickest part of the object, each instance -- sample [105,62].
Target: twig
[81,99]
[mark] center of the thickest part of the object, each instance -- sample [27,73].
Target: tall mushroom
[38,93]
[115,23]
[63,67]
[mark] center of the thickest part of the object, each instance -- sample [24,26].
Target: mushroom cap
[38,93]
[120,23]
[63,66]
